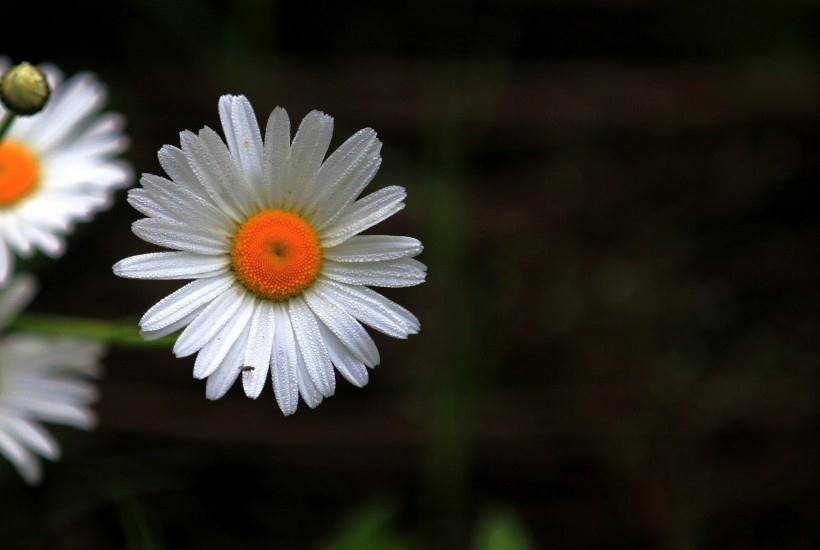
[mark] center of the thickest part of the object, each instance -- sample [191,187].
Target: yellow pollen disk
[276,254]
[19,172]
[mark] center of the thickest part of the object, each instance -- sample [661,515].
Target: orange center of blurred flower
[18,172]
[276,254]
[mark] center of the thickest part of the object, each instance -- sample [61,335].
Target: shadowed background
[619,328]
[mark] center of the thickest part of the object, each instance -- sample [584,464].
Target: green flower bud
[24,89]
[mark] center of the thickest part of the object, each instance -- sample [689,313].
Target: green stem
[88,329]
[6,123]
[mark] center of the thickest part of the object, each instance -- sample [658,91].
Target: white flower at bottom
[269,230]
[57,167]
[42,379]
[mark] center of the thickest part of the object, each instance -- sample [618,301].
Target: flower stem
[118,334]
[5,124]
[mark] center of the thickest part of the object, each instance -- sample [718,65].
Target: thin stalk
[117,334]
[5,124]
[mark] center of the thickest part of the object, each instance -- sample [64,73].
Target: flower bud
[24,89]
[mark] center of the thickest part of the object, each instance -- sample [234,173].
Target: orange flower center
[18,172]
[276,254]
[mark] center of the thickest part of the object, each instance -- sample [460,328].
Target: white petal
[6,263]
[209,174]
[143,203]
[171,265]
[184,301]
[393,273]
[275,156]
[213,353]
[307,389]
[177,236]
[333,202]
[207,325]
[34,437]
[172,328]
[25,462]
[369,307]
[258,351]
[351,368]
[187,205]
[374,248]
[346,328]
[234,185]
[307,152]
[242,133]
[221,381]
[364,213]
[306,329]
[67,414]
[344,174]
[16,297]
[76,99]
[175,163]
[284,362]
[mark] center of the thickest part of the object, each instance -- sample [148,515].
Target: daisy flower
[42,379]
[57,167]
[269,231]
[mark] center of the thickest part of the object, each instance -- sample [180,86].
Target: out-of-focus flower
[270,233]
[42,379]
[57,167]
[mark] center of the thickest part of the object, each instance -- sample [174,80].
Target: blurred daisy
[270,233]
[41,380]
[57,167]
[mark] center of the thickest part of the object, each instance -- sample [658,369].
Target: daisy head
[269,230]
[42,379]
[57,167]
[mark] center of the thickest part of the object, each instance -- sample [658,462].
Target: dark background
[619,342]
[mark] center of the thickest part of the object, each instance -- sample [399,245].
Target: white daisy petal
[364,213]
[16,297]
[210,177]
[229,177]
[284,362]
[242,133]
[6,262]
[258,351]
[186,206]
[307,152]
[345,328]
[307,389]
[179,236]
[344,174]
[179,304]
[275,156]
[68,414]
[213,353]
[374,248]
[32,436]
[221,381]
[351,368]
[207,325]
[23,460]
[79,97]
[175,163]
[142,202]
[172,328]
[370,307]
[306,328]
[392,273]
[171,265]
